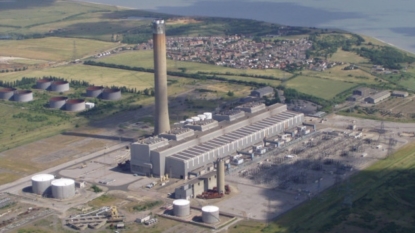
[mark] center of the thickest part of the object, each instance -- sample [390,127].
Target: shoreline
[352,31]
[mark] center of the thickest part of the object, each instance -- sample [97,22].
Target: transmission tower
[391,145]
[381,130]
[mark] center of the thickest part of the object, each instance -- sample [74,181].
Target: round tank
[182,122]
[41,184]
[43,84]
[63,188]
[7,93]
[208,115]
[181,208]
[57,102]
[75,105]
[94,91]
[59,86]
[111,94]
[195,118]
[202,117]
[210,214]
[188,120]
[23,96]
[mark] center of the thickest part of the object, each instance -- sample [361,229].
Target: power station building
[181,151]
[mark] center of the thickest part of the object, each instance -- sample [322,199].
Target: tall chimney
[220,176]
[161,114]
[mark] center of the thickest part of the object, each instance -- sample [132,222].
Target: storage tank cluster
[49,84]
[210,214]
[181,208]
[200,117]
[104,93]
[16,95]
[46,184]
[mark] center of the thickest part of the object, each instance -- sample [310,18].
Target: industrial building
[362,91]
[376,98]
[179,153]
[402,94]
[264,91]
[196,186]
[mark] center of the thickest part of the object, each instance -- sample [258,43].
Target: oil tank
[94,91]
[201,117]
[210,214]
[41,184]
[181,207]
[63,188]
[208,115]
[111,94]
[23,96]
[59,86]
[57,102]
[7,93]
[43,84]
[75,105]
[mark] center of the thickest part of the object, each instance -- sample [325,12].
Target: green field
[145,59]
[383,201]
[52,48]
[94,75]
[323,88]
[350,57]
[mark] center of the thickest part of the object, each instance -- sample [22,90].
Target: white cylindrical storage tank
[181,208]
[57,102]
[208,115]
[59,86]
[63,188]
[43,84]
[75,105]
[188,120]
[94,91]
[210,214]
[195,118]
[41,184]
[182,122]
[7,93]
[201,117]
[23,96]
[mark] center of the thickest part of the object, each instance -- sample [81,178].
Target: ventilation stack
[221,176]
[161,114]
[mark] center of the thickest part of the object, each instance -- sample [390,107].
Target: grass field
[145,59]
[323,88]
[350,57]
[52,48]
[383,200]
[338,74]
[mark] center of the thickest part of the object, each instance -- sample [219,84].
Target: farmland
[94,75]
[52,48]
[145,59]
[323,88]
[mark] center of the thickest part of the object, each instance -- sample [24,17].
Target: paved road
[26,181]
